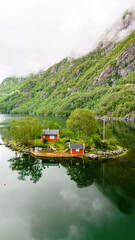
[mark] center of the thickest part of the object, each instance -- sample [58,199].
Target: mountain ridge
[102,80]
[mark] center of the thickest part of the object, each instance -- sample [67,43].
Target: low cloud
[35,34]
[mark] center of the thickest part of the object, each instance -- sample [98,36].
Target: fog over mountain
[35,34]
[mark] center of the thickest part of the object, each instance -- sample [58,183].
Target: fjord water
[67,200]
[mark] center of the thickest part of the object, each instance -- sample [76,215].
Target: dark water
[68,199]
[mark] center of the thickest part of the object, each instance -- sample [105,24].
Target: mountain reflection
[115,180]
[123,131]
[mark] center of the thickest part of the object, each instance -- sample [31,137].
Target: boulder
[92,156]
[54,84]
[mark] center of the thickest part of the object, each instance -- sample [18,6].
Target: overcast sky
[35,34]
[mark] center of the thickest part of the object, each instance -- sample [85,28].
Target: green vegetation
[25,130]
[65,133]
[76,83]
[51,125]
[39,143]
[82,123]
[81,128]
[120,99]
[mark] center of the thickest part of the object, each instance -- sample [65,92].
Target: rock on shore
[106,154]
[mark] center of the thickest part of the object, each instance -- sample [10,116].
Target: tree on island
[25,130]
[51,125]
[82,122]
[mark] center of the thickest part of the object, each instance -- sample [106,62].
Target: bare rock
[119,31]
[54,149]
[133,88]
[78,72]
[16,105]
[124,64]
[54,84]
[53,69]
[92,156]
[63,79]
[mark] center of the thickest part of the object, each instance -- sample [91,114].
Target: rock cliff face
[120,30]
[124,64]
[126,60]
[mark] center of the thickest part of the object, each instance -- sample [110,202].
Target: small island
[80,139]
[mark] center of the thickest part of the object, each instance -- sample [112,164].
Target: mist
[35,34]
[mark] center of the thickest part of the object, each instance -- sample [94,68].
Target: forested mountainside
[103,81]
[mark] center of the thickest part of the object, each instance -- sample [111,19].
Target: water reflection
[51,163]
[6,118]
[27,166]
[123,131]
[115,180]
[68,199]
[55,202]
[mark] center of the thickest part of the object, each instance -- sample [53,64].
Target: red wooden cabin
[77,149]
[50,134]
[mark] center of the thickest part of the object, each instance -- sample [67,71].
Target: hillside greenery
[74,83]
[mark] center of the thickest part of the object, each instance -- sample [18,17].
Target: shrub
[112,143]
[40,143]
[67,133]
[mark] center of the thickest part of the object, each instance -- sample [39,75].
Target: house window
[51,137]
[77,150]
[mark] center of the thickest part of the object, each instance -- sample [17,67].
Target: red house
[77,149]
[50,134]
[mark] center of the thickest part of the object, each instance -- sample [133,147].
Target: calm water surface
[67,200]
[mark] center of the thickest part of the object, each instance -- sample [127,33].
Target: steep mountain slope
[121,29]
[103,80]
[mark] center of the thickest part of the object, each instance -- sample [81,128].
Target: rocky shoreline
[93,155]
[127,118]
[16,147]
[106,154]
